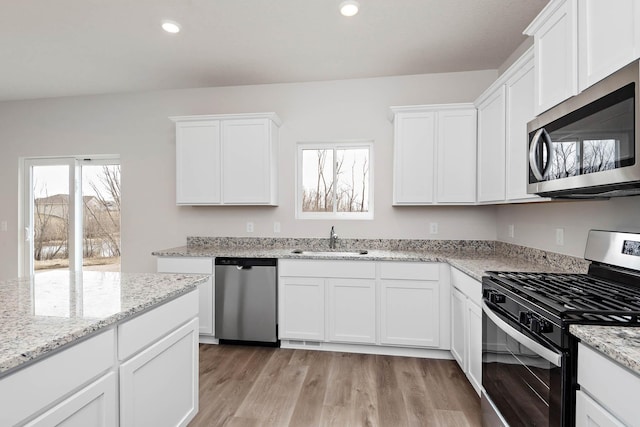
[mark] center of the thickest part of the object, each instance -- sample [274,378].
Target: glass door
[71,215]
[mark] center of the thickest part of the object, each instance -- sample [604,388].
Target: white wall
[535,224]
[136,127]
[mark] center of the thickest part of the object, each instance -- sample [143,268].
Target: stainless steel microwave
[588,146]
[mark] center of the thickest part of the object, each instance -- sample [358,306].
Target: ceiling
[77,47]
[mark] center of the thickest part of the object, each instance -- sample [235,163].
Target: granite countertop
[54,308]
[622,344]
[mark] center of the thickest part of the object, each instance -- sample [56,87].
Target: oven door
[521,376]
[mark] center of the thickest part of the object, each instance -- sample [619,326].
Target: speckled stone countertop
[622,344]
[470,256]
[52,309]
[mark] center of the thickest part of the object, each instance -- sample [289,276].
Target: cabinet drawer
[410,270]
[467,285]
[614,386]
[185,265]
[322,268]
[36,387]
[143,330]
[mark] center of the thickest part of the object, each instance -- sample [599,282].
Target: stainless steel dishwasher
[246,299]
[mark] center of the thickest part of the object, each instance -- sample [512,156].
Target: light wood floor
[257,386]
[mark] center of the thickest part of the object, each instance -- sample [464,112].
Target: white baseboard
[425,353]
[208,339]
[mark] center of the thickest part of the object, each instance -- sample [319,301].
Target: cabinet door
[519,92]
[491,148]
[456,167]
[301,308]
[458,326]
[352,310]
[410,313]
[246,156]
[555,45]
[94,406]
[474,345]
[590,413]
[414,158]
[198,163]
[159,386]
[206,302]
[609,38]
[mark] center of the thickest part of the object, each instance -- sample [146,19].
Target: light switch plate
[249,227]
[560,236]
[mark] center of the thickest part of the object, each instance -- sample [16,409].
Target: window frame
[333,145]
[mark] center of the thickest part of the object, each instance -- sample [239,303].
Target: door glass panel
[50,186]
[101,217]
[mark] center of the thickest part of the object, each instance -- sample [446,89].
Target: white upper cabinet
[491,146]
[578,43]
[228,159]
[198,162]
[434,154]
[556,45]
[609,38]
[456,148]
[519,110]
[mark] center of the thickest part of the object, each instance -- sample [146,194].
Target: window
[71,214]
[335,180]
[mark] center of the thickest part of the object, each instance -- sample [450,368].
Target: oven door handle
[549,355]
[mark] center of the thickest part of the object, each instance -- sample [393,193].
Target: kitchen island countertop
[52,309]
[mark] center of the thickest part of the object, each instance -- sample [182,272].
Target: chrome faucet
[332,239]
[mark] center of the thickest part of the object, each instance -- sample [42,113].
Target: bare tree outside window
[335,179]
[101,218]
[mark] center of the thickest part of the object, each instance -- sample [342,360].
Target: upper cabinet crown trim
[242,116]
[543,16]
[427,107]
[523,61]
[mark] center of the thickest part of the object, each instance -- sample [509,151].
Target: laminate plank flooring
[243,386]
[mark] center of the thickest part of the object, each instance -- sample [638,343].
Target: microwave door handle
[541,135]
[549,355]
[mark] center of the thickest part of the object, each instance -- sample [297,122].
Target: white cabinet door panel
[555,45]
[198,163]
[491,148]
[94,405]
[590,414]
[474,345]
[159,386]
[301,308]
[456,147]
[352,310]
[414,158]
[246,143]
[458,327]
[608,34]
[410,313]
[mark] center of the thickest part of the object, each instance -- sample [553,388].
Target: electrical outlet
[433,228]
[3,226]
[560,236]
[276,227]
[249,227]
[511,230]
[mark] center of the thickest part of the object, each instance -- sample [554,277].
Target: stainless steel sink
[332,253]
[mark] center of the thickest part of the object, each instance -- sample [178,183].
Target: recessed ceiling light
[171,27]
[349,7]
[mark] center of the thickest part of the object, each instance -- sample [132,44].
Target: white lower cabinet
[400,304]
[352,310]
[159,386]
[142,372]
[466,326]
[206,289]
[94,405]
[300,307]
[410,313]
[608,394]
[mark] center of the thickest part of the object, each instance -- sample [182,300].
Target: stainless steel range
[529,358]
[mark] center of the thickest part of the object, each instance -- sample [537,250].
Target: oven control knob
[493,296]
[540,326]
[525,318]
